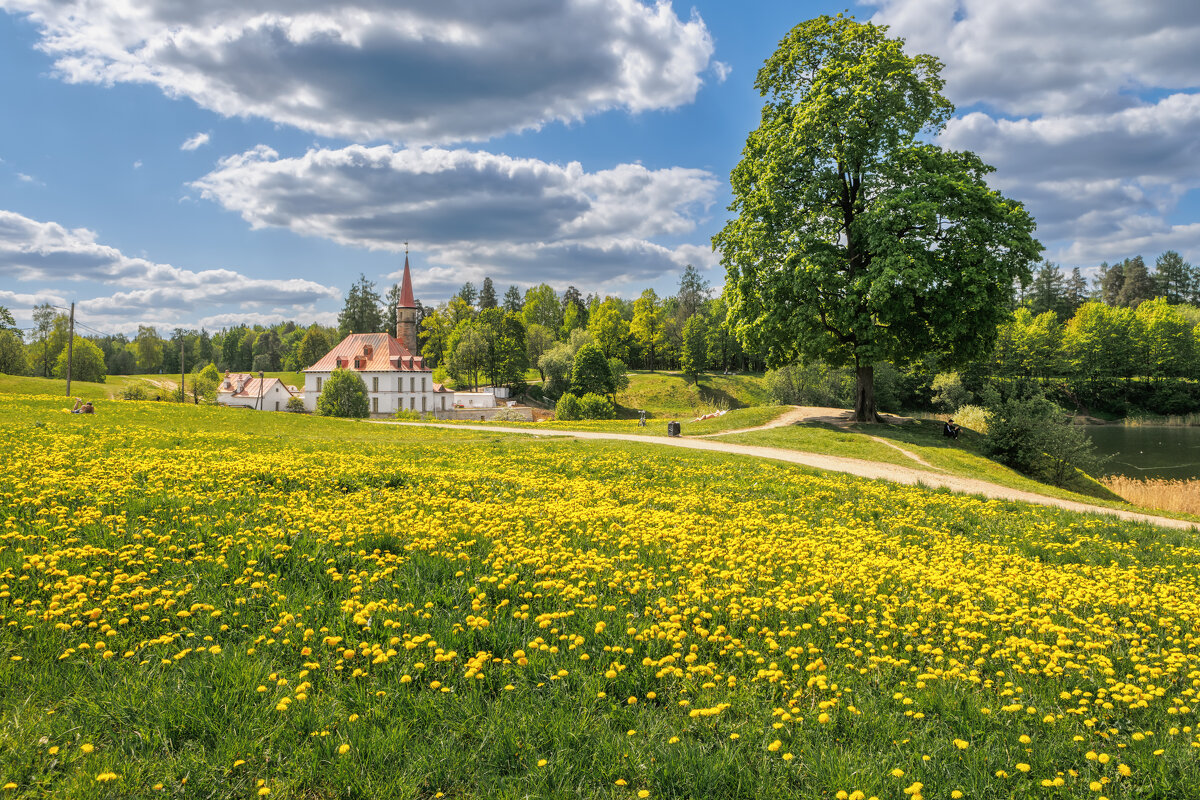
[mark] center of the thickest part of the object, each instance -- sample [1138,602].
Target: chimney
[406,313]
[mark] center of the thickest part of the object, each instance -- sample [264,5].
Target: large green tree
[362,312]
[344,395]
[856,240]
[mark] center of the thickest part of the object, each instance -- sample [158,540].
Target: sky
[210,164]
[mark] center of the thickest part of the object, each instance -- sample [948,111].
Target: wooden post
[70,348]
[182,395]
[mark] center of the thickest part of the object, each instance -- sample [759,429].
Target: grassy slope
[731,420]
[669,395]
[111,388]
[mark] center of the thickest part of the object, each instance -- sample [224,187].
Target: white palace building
[395,376]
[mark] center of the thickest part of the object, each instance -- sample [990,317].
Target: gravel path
[852,466]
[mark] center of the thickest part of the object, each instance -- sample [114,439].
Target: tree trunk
[864,394]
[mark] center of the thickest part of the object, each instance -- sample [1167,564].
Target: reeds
[1180,496]
[1172,421]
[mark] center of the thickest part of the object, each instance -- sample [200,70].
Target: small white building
[250,391]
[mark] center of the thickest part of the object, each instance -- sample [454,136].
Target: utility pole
[70,348]
[182,397]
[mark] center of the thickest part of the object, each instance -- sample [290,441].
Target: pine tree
[487,295]
[512,300]
[1173,277]
[1076,293]
[361,314]
[1048,291]
[1138,286]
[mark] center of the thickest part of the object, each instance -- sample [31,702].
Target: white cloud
[1089,110]
[518,219]
[137,164]
[21,176]
[420,71]
[46,251]
[196,141]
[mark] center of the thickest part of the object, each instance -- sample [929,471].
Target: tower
[406,312]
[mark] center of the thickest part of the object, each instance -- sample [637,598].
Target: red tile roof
[370,352]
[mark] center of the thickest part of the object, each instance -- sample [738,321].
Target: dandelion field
[197,602]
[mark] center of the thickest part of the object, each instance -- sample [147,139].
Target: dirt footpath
[851,466]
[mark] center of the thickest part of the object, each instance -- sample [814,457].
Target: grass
[669,395]
[731,420]
[110,389]
[200,602]
[1171,496]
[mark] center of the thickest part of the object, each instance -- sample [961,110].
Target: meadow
[202,602]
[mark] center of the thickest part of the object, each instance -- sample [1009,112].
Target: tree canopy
[854,239]
[344,395]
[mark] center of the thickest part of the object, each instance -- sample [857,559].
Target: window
[443,402]
[423,383]
[374,384]
[375,404]
[423,398]
[412,384]
[318,384]
[276,405]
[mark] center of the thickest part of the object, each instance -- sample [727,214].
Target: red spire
[406,292]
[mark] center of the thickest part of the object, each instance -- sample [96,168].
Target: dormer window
[367,350]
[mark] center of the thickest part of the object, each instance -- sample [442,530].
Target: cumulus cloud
[196,141]
[418,71]
[518,219]
[31,250]
[1089,110]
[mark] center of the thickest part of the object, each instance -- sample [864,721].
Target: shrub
[344,395]
[949,392]
[811,384]
[972,417]
[509,415]
[593,406]
[567,408]
[134,391]
[1032,435]
[407,415]
[295,405]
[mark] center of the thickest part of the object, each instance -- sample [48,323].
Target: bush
[567,408]
[295,405]
[811,384]
[408,415]
[344,395]
[972,417]
[593,406]
[1032,435]
[509,415]
[949,393]
[134,391]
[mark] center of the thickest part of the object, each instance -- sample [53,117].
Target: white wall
[393,391]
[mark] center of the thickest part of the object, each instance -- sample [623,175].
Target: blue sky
[244,162]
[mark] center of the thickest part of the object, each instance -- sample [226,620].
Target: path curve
[852,466]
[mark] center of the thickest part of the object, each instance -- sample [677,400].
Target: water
[1147,451]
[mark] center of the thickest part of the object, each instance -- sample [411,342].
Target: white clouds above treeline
[34,252]
[1089,110]
[418,71]
[474,213]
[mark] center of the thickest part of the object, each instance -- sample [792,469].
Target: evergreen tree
[1138,286]
[487,295]
[1076,291]
[1048,292]
[231,343]
[468,293]
[1173,277]
[361,313]
[1109,281]
[390,315]
[512,300]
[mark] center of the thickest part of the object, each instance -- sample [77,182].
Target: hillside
[667,394]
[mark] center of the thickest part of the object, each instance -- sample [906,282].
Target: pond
[1148,451]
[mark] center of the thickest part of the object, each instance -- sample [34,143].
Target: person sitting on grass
[951,430]
[82,407]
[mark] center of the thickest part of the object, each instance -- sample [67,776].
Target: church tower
[406,313]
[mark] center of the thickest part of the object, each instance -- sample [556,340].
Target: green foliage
[854,240]
[13,360]
[610,329]
[812,383]
[295,405]
[1029,433]
[972,417]
[619,373]
[647,326]
[567,408]
[593,406]
[361,312]
[87,362]
[542,307]
[693,358]
[589,372]
[949,394]
[313,346]
[343,395]
[134,391]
